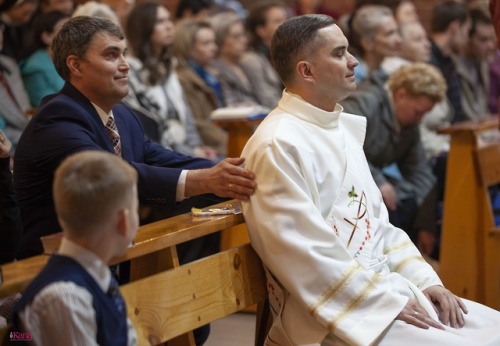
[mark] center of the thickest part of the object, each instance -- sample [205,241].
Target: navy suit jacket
[67,123]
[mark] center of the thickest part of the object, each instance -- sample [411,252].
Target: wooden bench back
[151,241]
[169,304]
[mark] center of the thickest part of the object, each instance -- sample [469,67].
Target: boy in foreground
[75,299]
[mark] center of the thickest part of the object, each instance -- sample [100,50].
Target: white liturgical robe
[336,268]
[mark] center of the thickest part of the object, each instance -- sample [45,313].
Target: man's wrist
[195,183]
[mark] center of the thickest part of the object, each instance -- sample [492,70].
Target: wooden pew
[187,297]
[470,241]
[239,132]
[237,273]
[151,242]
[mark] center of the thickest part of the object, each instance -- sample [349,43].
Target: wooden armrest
[17,275]
[495,232]
[178,229]
[472,125]
[164,233]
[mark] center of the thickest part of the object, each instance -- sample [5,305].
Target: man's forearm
[196,183]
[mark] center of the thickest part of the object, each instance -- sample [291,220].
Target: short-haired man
[89,54]
[473,65]
[75,300]
[338,272]
[415,47]
[450,25]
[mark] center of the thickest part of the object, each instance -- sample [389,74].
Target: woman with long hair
[39,74]
[155,91]
[263,20]
[194,48]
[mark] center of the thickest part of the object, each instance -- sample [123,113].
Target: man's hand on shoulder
[448,306]
[226,179]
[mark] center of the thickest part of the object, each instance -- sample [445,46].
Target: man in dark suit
[89,56]
[450,25]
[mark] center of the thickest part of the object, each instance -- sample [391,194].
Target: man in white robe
[338,272]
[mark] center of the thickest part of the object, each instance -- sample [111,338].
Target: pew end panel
[469,259]
[488,165]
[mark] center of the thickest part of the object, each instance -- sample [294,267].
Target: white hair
[96,9]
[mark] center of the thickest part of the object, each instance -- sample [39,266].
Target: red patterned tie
[113,134]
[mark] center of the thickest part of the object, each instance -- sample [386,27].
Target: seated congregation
[110,128]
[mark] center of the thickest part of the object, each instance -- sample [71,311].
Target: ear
[122,224]
[399,100]
[73,64]
[304,70]
[399,94]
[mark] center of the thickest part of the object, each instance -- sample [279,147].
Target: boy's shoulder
[59,277]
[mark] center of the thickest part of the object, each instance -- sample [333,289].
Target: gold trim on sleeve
[335,288]
[398,247]
[407,261]
[354,303]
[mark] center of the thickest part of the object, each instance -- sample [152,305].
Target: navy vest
[111,325]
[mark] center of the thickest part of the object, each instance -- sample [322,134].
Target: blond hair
[185,38]
[88,187]
[419,79]
[96,9]
[222,23]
